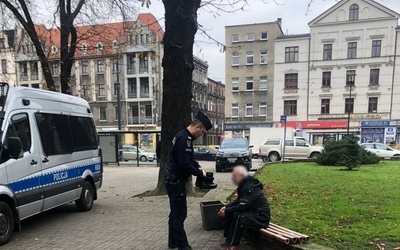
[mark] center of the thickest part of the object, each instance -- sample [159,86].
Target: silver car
[381,150]
[129,152]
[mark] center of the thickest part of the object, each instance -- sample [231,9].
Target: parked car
[129,152]
[296,148]
[233,152]
[381,150]
[202,153]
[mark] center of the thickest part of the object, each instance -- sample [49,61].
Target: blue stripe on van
[52,178]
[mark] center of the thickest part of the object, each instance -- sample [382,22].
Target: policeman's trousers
[176,232]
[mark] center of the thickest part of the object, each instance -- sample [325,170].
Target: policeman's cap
[204,119]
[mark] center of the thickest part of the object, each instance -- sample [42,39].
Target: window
[289,143]
[115,65]
[263,109]
[291,81]
[373,105]
[352,50]
[2,43]
[116,112]
[235,84]
[300,143]
[103,114]
[374,77]
[264,36]
[115,44]
[115,88]
[100,66]
[326,79]
[102,91]
[100,46]
[19,127]
[84,48]
[55,68]
[250,36]
[235,58]
[350,78]
[354,10]
[290,107]
[235,110]
[327,52]
[325,106]
[376,48]
[55,133]
[249,83]
[235,38]
[349,105]
[292,54]
[263,83]
[84,133]
[249,109]
[85,91]
[263,57]
[249,58]
[85,67]
[4,66]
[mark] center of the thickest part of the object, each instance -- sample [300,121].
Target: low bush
[346,152]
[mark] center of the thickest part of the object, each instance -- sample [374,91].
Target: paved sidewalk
[118,220]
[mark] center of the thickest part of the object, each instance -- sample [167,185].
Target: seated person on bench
[249,210]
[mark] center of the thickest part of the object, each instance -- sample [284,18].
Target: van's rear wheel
[85,202]
[6,223]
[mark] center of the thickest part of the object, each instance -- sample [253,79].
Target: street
[119,220]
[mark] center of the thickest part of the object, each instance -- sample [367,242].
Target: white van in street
[49,154]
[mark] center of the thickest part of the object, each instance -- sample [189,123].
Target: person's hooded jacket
[251,203]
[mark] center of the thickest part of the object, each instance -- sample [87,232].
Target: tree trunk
[180,30]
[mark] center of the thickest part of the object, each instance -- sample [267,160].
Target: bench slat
[284,235]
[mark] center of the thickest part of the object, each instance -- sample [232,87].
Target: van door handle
[33,162]
[45,160]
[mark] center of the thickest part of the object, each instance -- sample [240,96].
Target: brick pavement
[118,220]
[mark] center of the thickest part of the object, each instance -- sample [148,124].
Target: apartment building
[7,71]
[130,52]
[249,69]
[216,111]
[345,65]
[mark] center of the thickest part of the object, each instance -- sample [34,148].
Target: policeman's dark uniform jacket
[181,166]
[249,210]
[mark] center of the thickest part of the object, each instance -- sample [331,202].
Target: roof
[293,36]
[342,2]
[251,24]
[105,35]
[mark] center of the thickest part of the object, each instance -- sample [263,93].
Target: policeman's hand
[204,172]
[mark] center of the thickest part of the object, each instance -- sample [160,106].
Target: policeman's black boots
[206,182]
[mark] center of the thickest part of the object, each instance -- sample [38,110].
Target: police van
[49,154]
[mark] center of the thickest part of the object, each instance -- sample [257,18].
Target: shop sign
[246,126]
[353,117]
[375,123]
[317,124]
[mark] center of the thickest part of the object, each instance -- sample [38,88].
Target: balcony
[136,120]
[143,70]
[34,77]
[144,95]
[132,95]
[246,119]
[131,70]
[23,77]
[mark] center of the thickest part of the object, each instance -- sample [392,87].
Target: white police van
[49,154]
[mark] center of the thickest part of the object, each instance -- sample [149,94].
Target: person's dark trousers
[176,232]
[233,228]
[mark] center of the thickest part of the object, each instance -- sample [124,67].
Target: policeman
[181,166]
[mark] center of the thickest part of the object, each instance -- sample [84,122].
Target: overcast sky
[293,13]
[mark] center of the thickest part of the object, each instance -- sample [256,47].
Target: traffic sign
[283,118]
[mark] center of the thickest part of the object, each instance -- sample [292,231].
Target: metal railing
[140,120]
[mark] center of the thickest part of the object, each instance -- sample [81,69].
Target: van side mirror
[216,147]
[251,146]
[14,146]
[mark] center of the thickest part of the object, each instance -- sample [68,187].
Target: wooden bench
[284,235]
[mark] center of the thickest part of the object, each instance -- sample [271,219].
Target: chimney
[279,21]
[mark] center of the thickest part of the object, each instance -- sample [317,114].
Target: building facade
[216,111]
[249,69]
[7,71]
[345,67]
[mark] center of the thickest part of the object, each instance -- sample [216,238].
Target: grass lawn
[340,209]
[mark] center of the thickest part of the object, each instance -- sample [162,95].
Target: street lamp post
[350,84]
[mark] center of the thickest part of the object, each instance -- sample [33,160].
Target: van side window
[84,133]
[55,133]
[19,127]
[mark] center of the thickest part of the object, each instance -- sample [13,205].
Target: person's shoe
[225,245]
[234,248]
[171,246]
[185,248]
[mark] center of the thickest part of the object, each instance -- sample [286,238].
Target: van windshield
[233,144]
